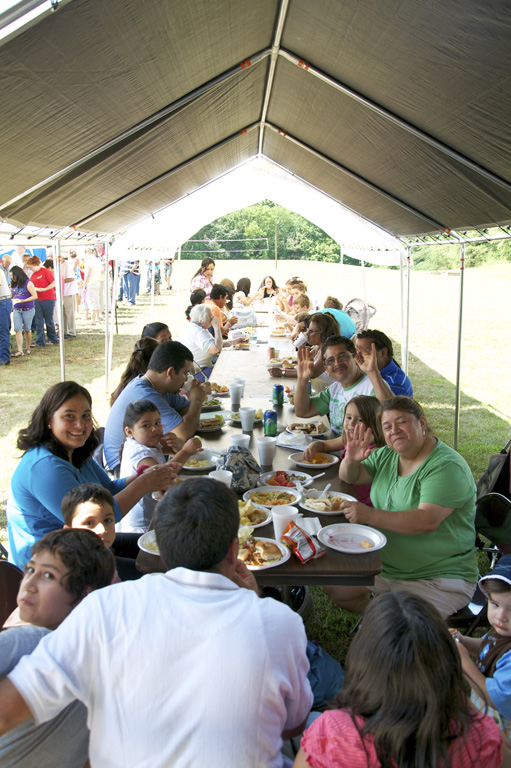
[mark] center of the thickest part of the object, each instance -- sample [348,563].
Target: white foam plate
[211,429]
[219,394]
[146,540]
[307,479]
[320,495]
[238,420]
[216,407]
[319,435]
[203,456]
[286,554]
[348,537]
[272,489]
[297,458]
[264,522]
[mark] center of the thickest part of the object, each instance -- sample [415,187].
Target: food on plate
[313,428]
[196,463]
[218,387]
[210,401]
[259,414]
[285,479]
[366,544]
[251,515]
[242,345]
[324,503]
[216,421]
[289,363]
[273,498]
[320,458]
[153,546]
[256,552]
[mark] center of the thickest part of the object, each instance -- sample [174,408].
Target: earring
[423,432]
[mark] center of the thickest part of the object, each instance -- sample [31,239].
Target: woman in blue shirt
[59,443]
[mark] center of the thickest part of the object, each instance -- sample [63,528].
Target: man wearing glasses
[353,375]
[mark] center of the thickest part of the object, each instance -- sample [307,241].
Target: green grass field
[434,307]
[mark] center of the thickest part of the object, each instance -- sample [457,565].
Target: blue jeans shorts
[23,319]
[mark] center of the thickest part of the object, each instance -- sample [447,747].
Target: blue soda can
[278,394]
[270,423]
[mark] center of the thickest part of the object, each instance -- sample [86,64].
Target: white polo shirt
[178,669]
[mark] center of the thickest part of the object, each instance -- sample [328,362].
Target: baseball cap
[502,572]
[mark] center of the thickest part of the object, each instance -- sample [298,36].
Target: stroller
[360,312]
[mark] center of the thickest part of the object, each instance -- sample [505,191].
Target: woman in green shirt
[423,496]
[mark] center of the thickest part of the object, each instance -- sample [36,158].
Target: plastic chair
[360,312]
[10,580]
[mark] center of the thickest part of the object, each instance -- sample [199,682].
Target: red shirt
[41,279]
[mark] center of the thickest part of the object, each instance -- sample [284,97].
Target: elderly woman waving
[423,495]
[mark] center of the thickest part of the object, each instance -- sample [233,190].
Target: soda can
[278,394]
[270,423]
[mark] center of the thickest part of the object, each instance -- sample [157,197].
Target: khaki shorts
[447,595]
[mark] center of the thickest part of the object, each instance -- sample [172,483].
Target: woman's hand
[315,447]
[305,363]
[356,512]
[161,477]
[358,447]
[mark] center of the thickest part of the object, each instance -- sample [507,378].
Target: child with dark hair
[141,450]
[491,672]
[64,567]
[404,702]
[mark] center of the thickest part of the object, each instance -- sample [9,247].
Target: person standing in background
[69,297]
[167,271]
[129,272]
[5,321]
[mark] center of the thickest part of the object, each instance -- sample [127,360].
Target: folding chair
[10,580]
[360,312]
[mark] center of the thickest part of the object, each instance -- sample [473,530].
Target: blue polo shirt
[397,379]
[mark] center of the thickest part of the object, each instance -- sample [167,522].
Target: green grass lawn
[434,306]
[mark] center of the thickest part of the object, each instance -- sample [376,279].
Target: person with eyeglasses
[320,328]
[352,376]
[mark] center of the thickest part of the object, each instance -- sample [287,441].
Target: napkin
[289,440]
[310,525]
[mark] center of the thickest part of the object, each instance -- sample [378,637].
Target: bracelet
[142,468]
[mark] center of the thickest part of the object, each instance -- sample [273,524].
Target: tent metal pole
[58,288]
[408,127]
[107,307]
[112,315]
[341,261]
[364,280]
[152,285]
[271,71]
[402,293]
[407,332]
[458,354]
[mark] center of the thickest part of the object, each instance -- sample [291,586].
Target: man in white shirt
[185,668]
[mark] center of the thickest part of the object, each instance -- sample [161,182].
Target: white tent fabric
[255,181]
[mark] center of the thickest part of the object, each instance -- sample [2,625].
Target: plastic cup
[282,516]
[300,340]
[242,441]
[222,475]
[247,416]
[242,382]
[188,383]
[266,447]
[236,392]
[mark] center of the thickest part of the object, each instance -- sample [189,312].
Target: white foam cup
[266,447]
[282,516]
[236,392]
[247,416]
[242,382]
[222,475]
[242,440]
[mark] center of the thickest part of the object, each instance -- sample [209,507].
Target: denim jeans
[129,287]
[5,339]
[44,316]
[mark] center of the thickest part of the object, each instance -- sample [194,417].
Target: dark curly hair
[38,432]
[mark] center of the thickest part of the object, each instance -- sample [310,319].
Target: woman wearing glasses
[423,496]
[320,328]
[351,376]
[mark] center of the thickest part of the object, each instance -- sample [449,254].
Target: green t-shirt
[334,400]
[443,478]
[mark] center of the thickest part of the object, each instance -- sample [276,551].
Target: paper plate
[213,428]
[307,479]
[235,418]
[304,504]
[147,543]
[297,458]
[348,537]
[267,520]
[212,407]
[319,435]
[202,456]
[272,489]
[286,554]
